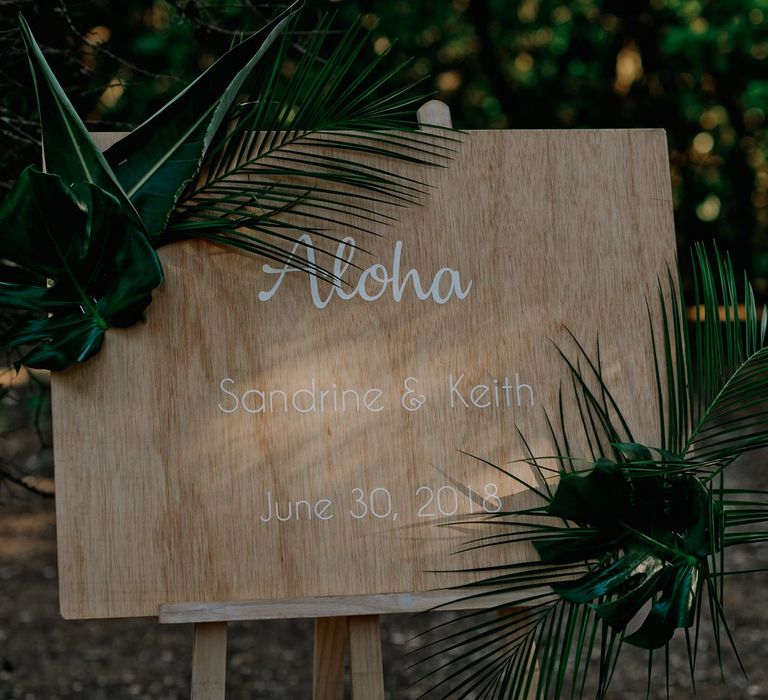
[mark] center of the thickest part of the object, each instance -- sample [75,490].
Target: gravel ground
[45,657]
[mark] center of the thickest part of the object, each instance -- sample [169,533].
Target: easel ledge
[333,606]
[339,620]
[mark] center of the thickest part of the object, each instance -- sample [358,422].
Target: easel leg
[209,661]
[365,666]
[330,643]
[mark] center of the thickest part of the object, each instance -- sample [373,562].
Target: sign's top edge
[485,131]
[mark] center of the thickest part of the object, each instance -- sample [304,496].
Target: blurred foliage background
[696,68]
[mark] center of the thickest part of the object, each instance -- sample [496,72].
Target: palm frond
[306,162]
[637,536]
[717,379]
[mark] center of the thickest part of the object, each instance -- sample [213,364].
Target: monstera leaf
[652,536]
[84,270]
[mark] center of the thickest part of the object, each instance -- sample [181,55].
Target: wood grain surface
[328,660]
[365,664]
[164,479]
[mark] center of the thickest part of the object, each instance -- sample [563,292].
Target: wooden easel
[339,622]
[356,620]
[209,654]
[540,177]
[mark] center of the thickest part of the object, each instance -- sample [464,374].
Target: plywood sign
[266,436]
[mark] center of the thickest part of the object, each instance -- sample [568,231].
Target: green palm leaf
[722,414]
[311,156]
[638,526]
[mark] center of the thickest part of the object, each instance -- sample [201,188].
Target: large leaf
[672,609]
[158,159]
[86,269]
[601,497]
[68,150]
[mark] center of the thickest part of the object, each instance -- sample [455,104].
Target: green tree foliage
[696,68]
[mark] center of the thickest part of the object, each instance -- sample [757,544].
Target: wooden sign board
[266,437]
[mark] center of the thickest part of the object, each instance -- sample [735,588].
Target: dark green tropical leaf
[68,150]
[621,609]
[158,159]
[718,378]
[649,543]
[87,269]
[626,574]
[601,497]
[671,610]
